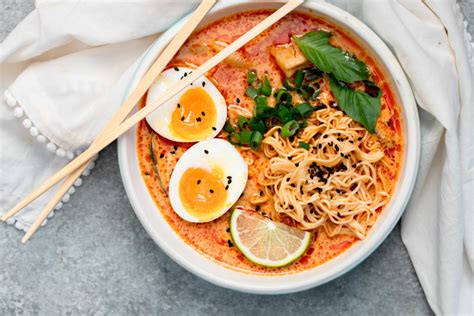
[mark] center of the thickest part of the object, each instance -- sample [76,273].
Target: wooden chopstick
[112,134]
[128,105]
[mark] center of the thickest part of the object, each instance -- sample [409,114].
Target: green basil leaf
[360,106]
[315,46]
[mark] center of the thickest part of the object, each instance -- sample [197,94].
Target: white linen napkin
[67,64]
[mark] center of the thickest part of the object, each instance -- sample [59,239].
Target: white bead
[9,98]
[78,182]
[69,155]
[71,191]
[58,206]
[66,198]
[44,222]
[51,214]
[91,165]
[86,172]
[19,225]
[41,138]
[27,123]
[61,152]
[34,131]
[51,147]
[18,112]
[10,221]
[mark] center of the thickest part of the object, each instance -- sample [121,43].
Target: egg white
[160,119]
[221,154]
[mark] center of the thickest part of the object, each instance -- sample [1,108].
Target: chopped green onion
[256,140]
[283,96]
[284,114]
[299,76]
[228,127]
[245,137]
[312,74]
[258,125]
[303,124]
[288,85]
[261,106]
[266,87]
[234,138]
[304,109]
[251,76]
[290,129]
[242,122]
[251,92]
[306,92]
[304,145]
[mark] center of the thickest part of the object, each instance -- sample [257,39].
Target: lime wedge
[266,242]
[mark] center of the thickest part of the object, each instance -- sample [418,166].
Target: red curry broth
[213,239]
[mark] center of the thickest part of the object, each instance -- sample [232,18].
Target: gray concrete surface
[95,258]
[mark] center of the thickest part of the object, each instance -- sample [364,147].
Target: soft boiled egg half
[197,113]
[207,180]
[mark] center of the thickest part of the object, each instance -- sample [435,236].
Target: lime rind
[305,243]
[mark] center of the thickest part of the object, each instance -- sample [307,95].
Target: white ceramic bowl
[211,271]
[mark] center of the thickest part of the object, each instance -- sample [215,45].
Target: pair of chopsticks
[117,126]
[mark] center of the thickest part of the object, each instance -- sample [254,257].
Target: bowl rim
[411,158]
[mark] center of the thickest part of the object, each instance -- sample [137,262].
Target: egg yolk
[194,116]
[202,193]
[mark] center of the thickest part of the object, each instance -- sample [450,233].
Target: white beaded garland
[27,123]
[51,147]
[18,112]
[34,131]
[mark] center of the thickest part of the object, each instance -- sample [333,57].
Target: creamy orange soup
[158,156]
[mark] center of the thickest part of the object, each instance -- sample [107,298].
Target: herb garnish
[315,46]
[360,106]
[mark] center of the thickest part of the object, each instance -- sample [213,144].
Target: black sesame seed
[230,243]
[339,214]
[342,155]
[293,185]
[237,100]
[227,187]
[198,119]
[261,193]
[297,164]
[162,155]
[179,105]
[257,208]
[229,177]
[214,129]
[289,158]
[211,190]
[199,181]
[147,173]
[228,229]
[172,152]
[325,136]
[206,151]
[291,207]
[325,150]
[175,147]
[359,139]
[182,118]
[336,147]
[176,69]
[185,74]
[203,84]
[203,113]
[229,181]
[320,145]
